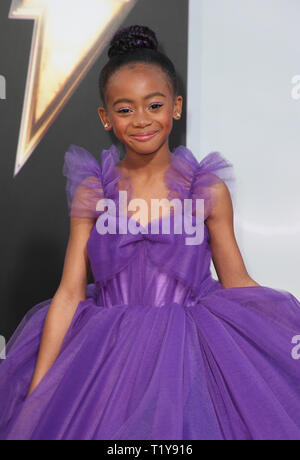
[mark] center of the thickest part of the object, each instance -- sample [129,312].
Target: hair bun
[131,38]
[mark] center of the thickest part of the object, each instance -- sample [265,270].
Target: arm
[71,290]
[226,255]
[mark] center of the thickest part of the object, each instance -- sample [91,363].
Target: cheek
[120,125]
[166,119]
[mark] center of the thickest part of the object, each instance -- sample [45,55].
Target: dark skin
[146,162]
[136,82]
[150,106]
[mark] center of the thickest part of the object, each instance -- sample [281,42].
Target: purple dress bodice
[145,268]
[158,349]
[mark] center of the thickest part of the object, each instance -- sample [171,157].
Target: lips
[144,136]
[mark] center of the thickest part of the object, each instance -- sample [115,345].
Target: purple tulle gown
[159,349]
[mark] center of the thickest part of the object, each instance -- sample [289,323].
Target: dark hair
[136,43]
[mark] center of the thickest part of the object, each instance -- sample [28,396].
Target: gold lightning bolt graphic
[68,37]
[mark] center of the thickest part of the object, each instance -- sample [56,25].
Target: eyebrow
[157,93]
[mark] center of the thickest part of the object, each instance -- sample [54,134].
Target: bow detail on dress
[109,253]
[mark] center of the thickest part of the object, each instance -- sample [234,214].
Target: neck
[149,163]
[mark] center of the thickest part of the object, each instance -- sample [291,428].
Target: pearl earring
[178,114]
[106,125]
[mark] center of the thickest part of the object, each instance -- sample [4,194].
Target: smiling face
[139,100]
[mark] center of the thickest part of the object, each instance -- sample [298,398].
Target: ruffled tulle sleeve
[212,169]
[190,179]
[84,185]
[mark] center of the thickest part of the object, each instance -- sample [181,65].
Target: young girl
[155,348]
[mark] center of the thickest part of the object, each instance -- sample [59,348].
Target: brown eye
[122,110]
[156,105]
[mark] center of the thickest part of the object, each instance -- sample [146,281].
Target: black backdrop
[33,206]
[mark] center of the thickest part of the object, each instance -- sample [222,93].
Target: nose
[141,119]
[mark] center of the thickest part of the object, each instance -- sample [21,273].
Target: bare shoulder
[223,208]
